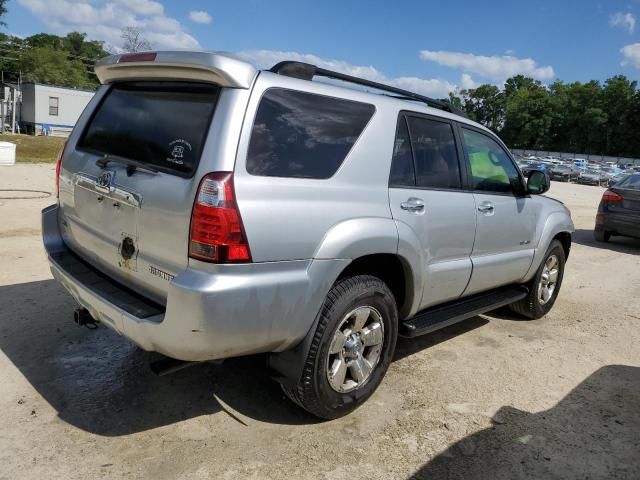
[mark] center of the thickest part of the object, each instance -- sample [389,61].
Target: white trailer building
[50,110]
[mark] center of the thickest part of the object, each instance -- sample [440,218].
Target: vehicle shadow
[615,244]
[101,383]
[590,433]
[408,346]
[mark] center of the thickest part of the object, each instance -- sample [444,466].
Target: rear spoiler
[212,67]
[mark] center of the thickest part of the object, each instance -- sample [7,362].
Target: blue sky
[431,47]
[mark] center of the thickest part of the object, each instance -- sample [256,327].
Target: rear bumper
[626,225]
[231,311]
[588,181]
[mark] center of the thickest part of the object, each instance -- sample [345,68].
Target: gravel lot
[493,397]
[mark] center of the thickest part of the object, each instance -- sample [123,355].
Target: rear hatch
[128,181]
[630,203]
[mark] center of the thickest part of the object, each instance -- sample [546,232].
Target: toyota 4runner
[208,210]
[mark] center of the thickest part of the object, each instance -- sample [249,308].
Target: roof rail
[306,71]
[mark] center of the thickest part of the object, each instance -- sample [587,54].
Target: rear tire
[545,285]
[601,235]
[351,349]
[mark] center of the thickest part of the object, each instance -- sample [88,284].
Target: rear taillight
[609,196]
[216,232]
[58,167]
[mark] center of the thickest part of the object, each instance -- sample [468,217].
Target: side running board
[449,313]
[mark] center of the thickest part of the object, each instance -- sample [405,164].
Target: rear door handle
[486,208]
[414,205]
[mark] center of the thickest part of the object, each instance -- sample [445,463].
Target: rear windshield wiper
[132,165]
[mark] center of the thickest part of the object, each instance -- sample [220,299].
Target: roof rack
[306,71]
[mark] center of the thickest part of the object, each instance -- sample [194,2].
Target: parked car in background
[207,210]
[590,177]
[563,173]
[532,166]
[619,210]
[607,173]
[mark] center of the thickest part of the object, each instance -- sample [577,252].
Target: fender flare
[358,237]
[555,223]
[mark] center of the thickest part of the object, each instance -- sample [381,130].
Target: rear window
[632,182]
[304,135]
[161,124]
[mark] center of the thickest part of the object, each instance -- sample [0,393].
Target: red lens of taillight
[58,167]
[609,196]
[216,232]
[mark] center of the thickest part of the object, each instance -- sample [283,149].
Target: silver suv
[208,210]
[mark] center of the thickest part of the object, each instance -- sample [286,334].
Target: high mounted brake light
[610,196]
[59,166]
[138,57]
[216,233]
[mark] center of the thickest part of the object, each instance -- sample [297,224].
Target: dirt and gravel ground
[493,397]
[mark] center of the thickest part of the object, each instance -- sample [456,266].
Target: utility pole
[13,112]
[2,105]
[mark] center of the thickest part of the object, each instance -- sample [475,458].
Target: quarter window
[304,135]
[491,168]
[402,170]
[53,106]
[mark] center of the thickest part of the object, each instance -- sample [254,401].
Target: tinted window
[402,173]
[434,149]
[491,167]
[162,124]
[298,134]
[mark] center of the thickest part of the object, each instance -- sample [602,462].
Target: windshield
[162,124]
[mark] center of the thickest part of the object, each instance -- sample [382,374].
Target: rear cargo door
[128,184]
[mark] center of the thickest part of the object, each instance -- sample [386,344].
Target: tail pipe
[83,318]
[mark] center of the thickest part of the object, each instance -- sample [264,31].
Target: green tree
[618,93]
[49,65]
[528,117]
[3,11]
[485,105]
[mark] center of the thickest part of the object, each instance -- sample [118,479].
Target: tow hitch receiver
[84,319]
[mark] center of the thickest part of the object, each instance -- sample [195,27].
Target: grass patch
[32,149]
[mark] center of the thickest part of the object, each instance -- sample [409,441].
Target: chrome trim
[113,192]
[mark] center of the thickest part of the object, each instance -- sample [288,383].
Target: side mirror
[538,182]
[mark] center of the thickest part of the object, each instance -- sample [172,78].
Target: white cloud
[434,87]
[467,83]
[631,54]
[104,21]
[623,20]
[494,68]
[199,16]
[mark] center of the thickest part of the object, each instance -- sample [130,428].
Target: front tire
[351,350]
[545,285]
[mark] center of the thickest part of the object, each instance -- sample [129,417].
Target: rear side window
[632,182]
[425,155]
[436,157]
[162,124]
[304,135]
